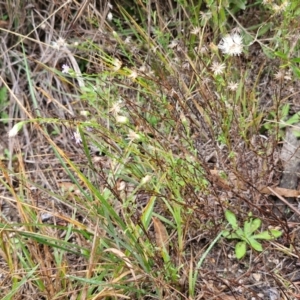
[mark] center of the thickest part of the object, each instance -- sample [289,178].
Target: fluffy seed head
[231,44]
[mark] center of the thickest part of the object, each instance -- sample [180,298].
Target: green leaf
[240,233]
[4,117]
[268,235]
[241,4]
[247,227]
[264,29]
[296,133]
[231,218]
[296,71]
[240,249]
[280,54]
[268,53]
[225,233]
[3,95]
[255,244]
[295,60]
[230,235]
[251,226]
[293,119]
[285,110]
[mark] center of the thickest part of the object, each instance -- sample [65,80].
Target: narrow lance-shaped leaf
[268,235]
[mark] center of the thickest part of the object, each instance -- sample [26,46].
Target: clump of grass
[136,141]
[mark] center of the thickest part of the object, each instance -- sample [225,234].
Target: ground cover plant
[145,145]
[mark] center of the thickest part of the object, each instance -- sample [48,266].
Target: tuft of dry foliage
[128,129]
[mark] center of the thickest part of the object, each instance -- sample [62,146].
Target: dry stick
[285,202]
[80,12]
[77,16]
[27,36]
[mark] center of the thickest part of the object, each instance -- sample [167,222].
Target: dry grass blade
[121,255]
[285,201]
[124,258]
[110,293]
[161,234]
[92,260]
[78,14]
[280,191]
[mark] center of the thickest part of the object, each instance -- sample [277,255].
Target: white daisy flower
[205,16]
[279,75]
[282,75]
[231,44]
[195,30]
[232,86]
[59,44]
[284,5]
[217,68]
[280,8]
[128,40]
[116,108]
[77,137]
[65,69]
[173,44]
[133,135]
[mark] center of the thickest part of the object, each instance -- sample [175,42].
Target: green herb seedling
[246,235]
[285,121]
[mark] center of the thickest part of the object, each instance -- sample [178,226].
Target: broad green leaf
[240,249]
[231,218]
[225,233]
[240,232]
[268,235]
[251,226]
[256,223]
[255,244]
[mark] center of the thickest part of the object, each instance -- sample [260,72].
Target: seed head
[231,44]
